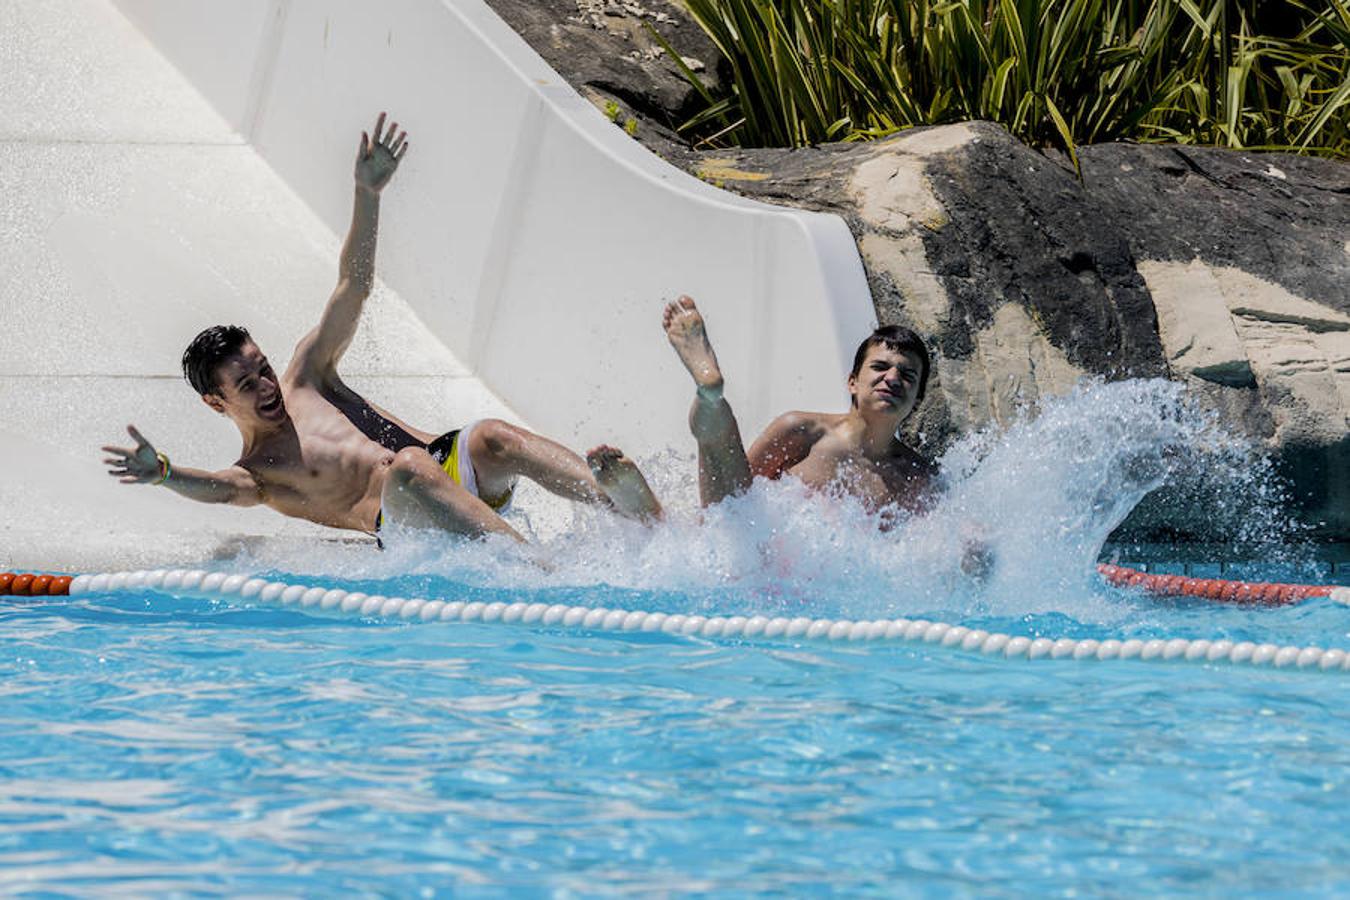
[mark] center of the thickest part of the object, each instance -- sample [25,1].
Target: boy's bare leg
[624,484]
[502,452]
[723,469]
[418,493]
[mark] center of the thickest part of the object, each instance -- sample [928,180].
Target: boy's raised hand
[377,159]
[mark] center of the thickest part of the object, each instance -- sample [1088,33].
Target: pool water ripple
[161,744]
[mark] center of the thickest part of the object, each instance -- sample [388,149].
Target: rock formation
[605,49]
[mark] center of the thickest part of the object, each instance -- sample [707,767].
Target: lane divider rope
[33,584]
[196,582]
[1238,593]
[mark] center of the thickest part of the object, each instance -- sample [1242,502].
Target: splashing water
[1046,492]
[1038,499]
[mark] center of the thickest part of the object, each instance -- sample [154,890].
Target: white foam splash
[1041,496]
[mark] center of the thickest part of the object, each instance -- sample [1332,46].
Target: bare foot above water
[623,483]
[684,327]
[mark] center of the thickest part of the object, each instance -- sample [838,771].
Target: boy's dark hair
[899,339]
[207,351]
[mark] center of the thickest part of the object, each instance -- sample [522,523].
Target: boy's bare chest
[326,454]
[881,482]
[878,483]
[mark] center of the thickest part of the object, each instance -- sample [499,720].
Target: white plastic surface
[534,237]
[189,164]
[131,216]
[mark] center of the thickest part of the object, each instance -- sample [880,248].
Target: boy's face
[247,390]
[888,380]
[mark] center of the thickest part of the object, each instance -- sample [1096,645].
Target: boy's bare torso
[835,461]
[322,467]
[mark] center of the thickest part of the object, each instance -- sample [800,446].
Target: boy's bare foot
[622,482]
[684,327]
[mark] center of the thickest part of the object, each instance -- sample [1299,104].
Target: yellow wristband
[165,469]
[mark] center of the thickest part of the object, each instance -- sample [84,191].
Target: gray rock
[604,49]
[1247,258]
[1285,218]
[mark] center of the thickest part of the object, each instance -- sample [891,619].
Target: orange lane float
[33,584]
[1238,593]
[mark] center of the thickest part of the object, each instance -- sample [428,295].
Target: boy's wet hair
[899,339]
[207,351]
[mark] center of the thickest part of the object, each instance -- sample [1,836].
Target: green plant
[1271,74]
[631,126]
[612,111]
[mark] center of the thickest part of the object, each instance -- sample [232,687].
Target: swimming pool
[160,743]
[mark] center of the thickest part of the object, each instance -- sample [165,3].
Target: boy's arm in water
[786,442]
[142,464]
[377,159]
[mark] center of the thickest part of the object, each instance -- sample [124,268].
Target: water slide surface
[170,164]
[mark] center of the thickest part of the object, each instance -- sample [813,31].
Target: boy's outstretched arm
[377,159]
[142,464]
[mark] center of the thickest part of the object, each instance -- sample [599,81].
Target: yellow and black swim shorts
[452,452]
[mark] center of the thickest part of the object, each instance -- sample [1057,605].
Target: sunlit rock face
[1228,271]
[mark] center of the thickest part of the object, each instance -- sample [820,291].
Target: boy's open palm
[377,159]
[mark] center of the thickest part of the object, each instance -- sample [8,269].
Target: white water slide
[171,164]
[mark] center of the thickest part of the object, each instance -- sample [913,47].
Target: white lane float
[197,583]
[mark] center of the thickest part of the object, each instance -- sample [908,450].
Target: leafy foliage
[1269,74]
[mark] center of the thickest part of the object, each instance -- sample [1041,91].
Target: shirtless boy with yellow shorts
[315,449]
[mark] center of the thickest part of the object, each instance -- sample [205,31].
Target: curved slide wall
[532,236]
[525,248]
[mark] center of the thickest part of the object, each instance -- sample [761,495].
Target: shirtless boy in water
[855,451]
[315,449]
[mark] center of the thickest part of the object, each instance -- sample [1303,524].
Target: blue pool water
[154,743]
